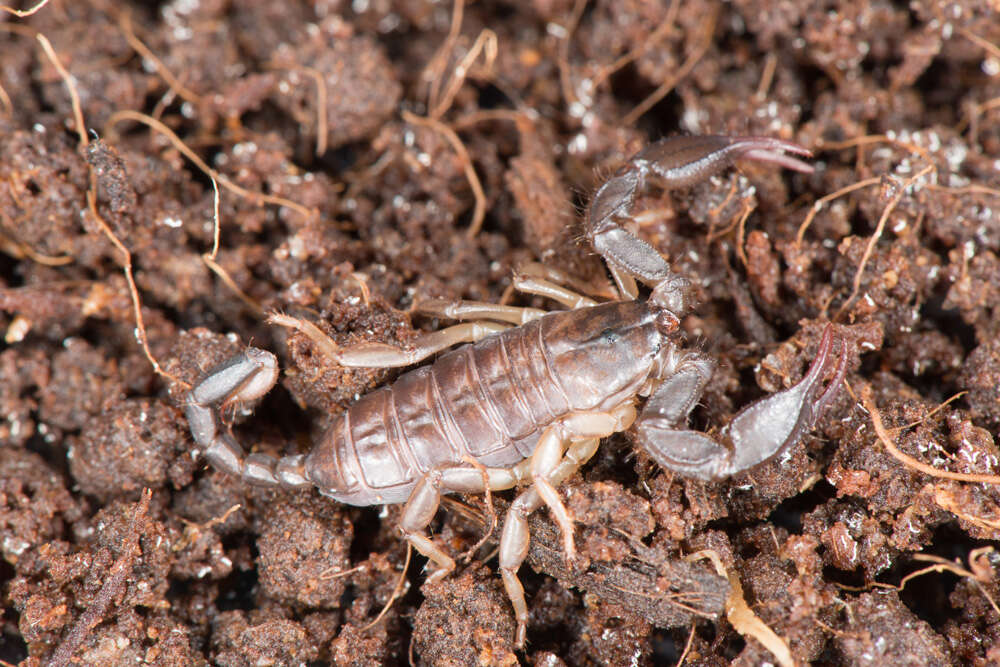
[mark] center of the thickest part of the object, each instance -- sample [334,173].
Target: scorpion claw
[672,163]
[758,433]
[770,426]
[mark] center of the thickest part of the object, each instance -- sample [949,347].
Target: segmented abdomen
[488,401]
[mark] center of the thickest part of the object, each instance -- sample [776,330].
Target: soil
[372,154]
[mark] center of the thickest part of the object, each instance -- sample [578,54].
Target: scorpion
[527,400]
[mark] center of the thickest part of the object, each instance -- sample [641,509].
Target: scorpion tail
[247,376]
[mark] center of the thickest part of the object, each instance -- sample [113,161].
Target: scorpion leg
[478,310]
[425,498]
[247,376]
[541,287]
[531,278]
[673,163]
[601,290]
[548,456]
[516,538]
[758,433]
[383,355]
[549,468]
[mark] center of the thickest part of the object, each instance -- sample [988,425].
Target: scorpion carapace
[527,401]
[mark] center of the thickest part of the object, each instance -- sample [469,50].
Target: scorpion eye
[609,336]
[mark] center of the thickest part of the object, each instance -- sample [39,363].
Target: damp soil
[371,155]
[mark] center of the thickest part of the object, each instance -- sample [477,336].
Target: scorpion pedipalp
[672,163]
[758,433]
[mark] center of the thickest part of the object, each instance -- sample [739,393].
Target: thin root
[322,124]
[479,211]
[985,574]
[705,41]
[395,591]
[21,13]
[81,130]
[562,61]
[140,326]
[178,143]
[687,647]
[175,85]
[870,248]
[819,203]
[883,435]
[92,205]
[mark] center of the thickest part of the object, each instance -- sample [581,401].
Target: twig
[883,435]
[111,587]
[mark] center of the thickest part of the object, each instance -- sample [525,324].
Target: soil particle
[137,444]
[464,621]
[345,63]
[355,647]
[35,505]
[241,642]
[302,545]
[981,375]
[881,631]
[613,564]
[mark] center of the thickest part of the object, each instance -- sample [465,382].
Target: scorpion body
[527,404]
[489,401]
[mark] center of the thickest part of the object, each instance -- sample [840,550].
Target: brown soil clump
[369,155]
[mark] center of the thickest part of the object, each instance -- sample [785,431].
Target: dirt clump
[343,163]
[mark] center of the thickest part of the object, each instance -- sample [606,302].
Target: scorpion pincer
[526,403]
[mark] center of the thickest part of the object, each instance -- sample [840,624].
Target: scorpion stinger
[758,433]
